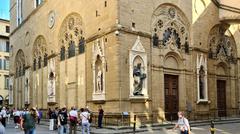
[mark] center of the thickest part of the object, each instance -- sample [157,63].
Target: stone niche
[202,84]
[99,70]
[10,92]
[138,72]
[51,86]
[27,86]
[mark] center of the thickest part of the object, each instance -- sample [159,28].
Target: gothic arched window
[62,53]
[39,62]
[16,72]
[71,49]
[34,64]
[171,33]
[45,60]
[23,69]
[81,46]
[19,71]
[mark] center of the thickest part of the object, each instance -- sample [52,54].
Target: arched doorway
[170,34]
[223,57]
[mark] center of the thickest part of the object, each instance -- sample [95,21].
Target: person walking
[4,116]
[16,117]
[2,128]
[8,115]
[40,114]
[62,121]
[85,116]
[55,117]
[182,124]
[100,116]
[73,117]
[49,113]
[28,121]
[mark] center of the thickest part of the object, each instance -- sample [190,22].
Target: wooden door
[221,98]
[171,97]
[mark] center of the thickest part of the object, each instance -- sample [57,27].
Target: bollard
[134,124]
[212,129]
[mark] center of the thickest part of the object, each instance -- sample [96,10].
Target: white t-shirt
[4,113]
[85,116]
[16,113]
[73,113]
[183,124]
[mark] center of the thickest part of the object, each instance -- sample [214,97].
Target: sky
[4,9]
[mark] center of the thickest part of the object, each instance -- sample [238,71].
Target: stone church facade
[150,58]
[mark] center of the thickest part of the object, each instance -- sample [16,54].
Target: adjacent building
[150,58]
[4,61]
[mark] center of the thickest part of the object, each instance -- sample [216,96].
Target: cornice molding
[226,7]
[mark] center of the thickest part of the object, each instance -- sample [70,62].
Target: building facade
[147,58]
[4,61]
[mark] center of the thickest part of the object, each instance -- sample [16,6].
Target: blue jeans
[184,132]
[30,131]
[85,125]
[63,129]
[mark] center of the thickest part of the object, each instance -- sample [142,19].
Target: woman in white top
[182,124]
[85,116]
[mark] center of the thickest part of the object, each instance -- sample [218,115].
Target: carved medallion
[51,19]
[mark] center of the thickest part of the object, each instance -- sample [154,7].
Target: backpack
[29,121]
[73,119]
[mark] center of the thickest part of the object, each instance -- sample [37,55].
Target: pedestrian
[16,117]
[28,121]
[182,124]
[8,115]
[40,114]
[62,121]
[85,116]
[73,117]
[49,113]
[2,128]
[100,116]
[4,116]
[55,116]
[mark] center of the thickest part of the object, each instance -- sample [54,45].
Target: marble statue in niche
[99,80]
[51,85]
[139,77]
[201,82]
[26,92]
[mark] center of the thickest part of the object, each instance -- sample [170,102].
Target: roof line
[226,7]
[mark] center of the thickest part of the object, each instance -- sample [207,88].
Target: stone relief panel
[138,71]
[222,46]
[170,29]
[51,86]
[202,87]
[27,86]
[99,69]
